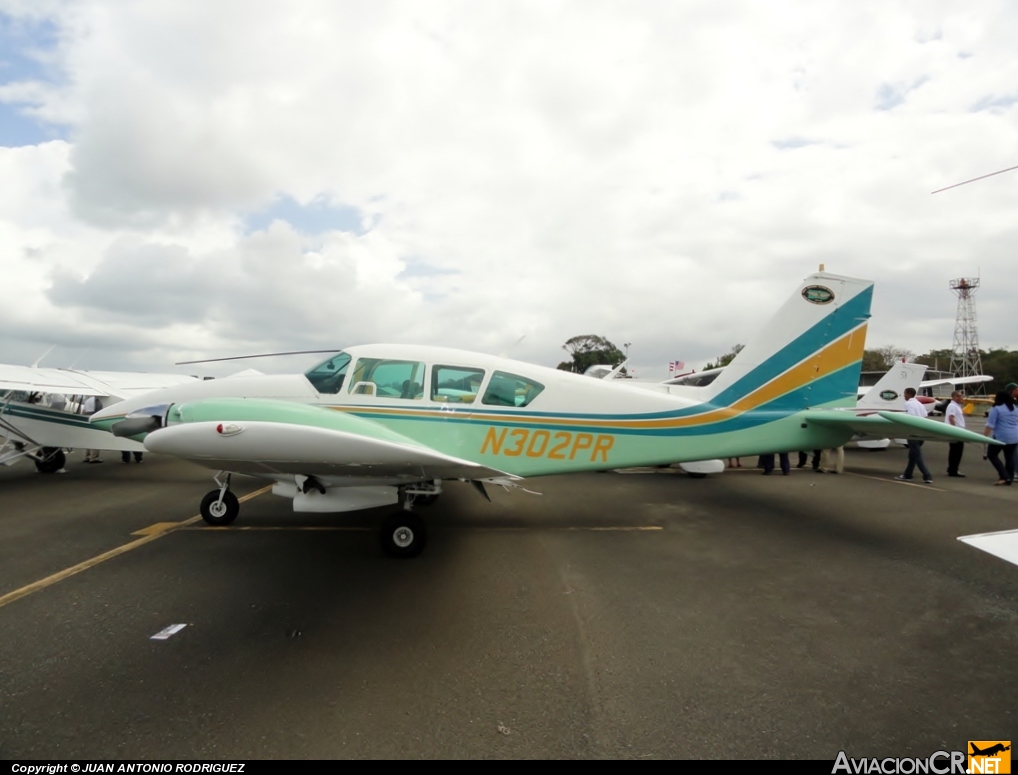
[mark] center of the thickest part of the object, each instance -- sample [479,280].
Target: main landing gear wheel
[218,513]
[425,500]
[403,535]
[50,460]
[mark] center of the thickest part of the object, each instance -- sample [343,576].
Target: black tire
[425,500]
[218,514]
[50,460]
[403,535]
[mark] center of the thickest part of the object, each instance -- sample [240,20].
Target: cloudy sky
[186,179]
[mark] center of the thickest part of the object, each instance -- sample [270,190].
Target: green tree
[724,360]
[1002,365]
[936,359]
[589,350]
[883,358]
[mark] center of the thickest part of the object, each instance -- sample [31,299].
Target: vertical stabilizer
[888,393]
[808,355]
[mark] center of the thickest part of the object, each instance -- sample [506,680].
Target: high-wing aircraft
[378,425]
[40,411]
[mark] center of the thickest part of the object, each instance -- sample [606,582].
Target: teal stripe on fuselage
[46,415]
[840,322]
[779,408]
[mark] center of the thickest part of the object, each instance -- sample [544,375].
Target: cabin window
[510,390]
[455,384]
[327,377]
[390,379]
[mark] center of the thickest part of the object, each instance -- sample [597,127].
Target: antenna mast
[965,360]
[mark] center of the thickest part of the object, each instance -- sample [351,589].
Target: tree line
[999,363]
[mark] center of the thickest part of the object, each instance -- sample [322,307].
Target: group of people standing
[825,461]
[1001,424]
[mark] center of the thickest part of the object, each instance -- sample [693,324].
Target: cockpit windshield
[327,376]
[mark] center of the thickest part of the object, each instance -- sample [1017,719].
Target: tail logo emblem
[818,294]
[888,395]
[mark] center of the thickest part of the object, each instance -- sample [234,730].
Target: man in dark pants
[953,415]
[915,447]
[804,456]
[767,463]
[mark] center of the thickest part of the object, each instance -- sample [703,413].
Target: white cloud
[659,173]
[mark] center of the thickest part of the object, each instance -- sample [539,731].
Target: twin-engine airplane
[377,425]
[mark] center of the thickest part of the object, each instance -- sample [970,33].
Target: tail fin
[808,355]
[887,395]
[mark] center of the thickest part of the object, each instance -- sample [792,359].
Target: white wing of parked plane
[956,381]
[39,420]
[35,380]
[71,382]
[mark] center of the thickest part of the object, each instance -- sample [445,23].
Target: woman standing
[1002,425]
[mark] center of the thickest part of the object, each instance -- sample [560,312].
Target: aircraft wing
[122,384]
[955,381]
[127,384]
[37,380]
[899,425]
[268,438]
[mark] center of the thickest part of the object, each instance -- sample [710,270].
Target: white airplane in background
[40,411]
[885,395]
[379,425]
[704,378]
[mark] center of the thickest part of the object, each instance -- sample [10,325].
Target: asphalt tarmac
[629,615]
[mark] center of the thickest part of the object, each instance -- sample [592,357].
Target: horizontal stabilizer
[883,425]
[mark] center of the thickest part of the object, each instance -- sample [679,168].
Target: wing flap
[883,425]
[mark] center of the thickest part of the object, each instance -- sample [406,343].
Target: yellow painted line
[151,535]
[157,528]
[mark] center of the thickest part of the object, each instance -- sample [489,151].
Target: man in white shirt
[915,452]
[953,415]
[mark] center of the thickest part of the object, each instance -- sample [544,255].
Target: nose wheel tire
[219,513]
[403,535]
[50,460]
